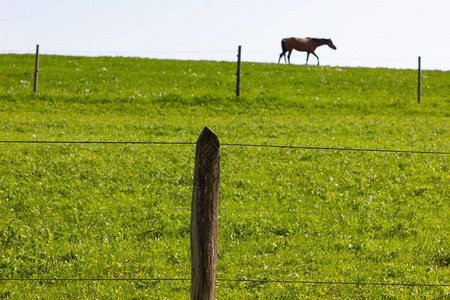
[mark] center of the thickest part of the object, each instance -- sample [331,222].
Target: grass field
[122,210]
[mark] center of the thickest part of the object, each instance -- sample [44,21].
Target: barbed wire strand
[335,213]
[69,52]
[230,51]
[97,142]
[94,279]
[95,213]
[335,282]
[234,280]
[222,209]
[336,148]
[229,144]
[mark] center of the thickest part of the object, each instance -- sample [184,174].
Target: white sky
[390,33]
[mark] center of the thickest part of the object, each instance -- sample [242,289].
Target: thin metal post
[238,73]
[36,70]
[419,81]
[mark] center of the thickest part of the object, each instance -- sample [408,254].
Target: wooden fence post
[419,83]
[204,216]
[238,73]
[36,70]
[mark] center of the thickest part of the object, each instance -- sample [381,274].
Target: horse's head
[330,44]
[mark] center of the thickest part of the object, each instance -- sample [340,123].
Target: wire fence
[228,209]
[120,212]
[229,55]
[236,280]
[116,52]
[187,209]
[229,144]
[203,51]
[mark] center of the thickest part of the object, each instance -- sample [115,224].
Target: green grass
[121,211]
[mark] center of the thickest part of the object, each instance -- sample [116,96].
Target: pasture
[122,211]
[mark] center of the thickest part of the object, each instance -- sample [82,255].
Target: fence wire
[98,142]
[203,51]
[238,280]
[119,212]
[337,148]
[231,145]
[229,209]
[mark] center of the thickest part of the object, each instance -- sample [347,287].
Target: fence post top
[208,134]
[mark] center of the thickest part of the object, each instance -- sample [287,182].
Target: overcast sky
[390,33]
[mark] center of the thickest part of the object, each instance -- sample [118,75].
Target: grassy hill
[122,210]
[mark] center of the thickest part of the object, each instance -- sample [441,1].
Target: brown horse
[308,44]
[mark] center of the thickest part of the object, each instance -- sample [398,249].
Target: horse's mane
[317,39]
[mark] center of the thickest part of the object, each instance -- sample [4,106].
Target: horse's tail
[284,48]
[283,45]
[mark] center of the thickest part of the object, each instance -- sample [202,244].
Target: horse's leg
[307,57]
[282,54]
[289,56]
[317,57]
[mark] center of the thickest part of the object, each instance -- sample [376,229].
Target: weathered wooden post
[36,70]
[419,83]
[204,216]
[238,73]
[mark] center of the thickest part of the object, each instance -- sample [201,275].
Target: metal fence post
[36,70]
[238,73]
[419,79]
